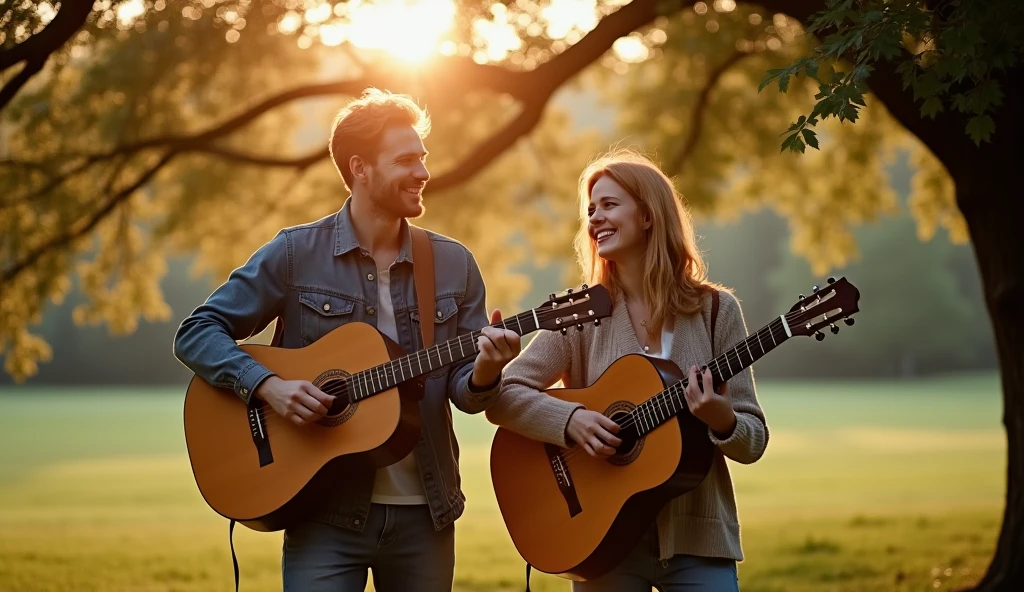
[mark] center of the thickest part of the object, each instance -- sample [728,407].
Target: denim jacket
[317,277]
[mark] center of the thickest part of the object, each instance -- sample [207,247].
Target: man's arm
[474,386]
[252,296]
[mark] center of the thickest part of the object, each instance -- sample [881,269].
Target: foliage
[116,156]
[183,68]
[950,54]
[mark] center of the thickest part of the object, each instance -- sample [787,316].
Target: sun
[410,30]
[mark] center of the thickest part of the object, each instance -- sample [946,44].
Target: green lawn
[865,486]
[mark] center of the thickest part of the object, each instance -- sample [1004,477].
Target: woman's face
[614,222]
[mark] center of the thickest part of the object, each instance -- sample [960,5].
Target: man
[357,265]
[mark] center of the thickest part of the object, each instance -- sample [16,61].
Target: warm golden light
[563,16]
[408,29]
[129,11]
[415,30]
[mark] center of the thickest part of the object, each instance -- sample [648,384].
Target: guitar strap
[423,277]
[714,317]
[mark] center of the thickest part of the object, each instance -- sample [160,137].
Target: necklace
[646,347]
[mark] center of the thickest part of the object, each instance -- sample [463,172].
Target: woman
[636,239]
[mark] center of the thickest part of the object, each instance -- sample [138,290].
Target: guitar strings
[367,377]
[632,418]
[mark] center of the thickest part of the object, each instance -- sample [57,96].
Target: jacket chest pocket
[322,313]
[445,320]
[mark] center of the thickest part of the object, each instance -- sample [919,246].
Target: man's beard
[390,196]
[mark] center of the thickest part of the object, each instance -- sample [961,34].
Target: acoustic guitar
[257,468]
[578,516]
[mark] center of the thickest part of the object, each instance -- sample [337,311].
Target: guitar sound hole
[631,446]
[335,382]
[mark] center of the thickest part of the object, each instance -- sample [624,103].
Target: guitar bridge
[260,438]
[563,478]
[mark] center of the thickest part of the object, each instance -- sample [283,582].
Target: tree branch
[700,107]
[300,162]
[452,74]
[487,151]
[533,88]
[32,67]
[69,19]
[478,158]
[66,237]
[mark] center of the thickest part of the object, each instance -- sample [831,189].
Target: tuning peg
[551,297]
[817,335]
[569,291]
[831,280]
[584,287]
[800,297]
[579,326]
[814,289]
[848,321]
[835,330]
[564,330]
[597,322]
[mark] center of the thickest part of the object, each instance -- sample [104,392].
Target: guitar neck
[671,401]
[390,374]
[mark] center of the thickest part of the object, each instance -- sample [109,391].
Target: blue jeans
[399,544]
[642,569]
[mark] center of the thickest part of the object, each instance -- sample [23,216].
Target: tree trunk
[988,185]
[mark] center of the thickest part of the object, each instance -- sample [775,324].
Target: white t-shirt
[666,341]
[399,483]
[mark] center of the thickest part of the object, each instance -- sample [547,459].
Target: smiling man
[358,265]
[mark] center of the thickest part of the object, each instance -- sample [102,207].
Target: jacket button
[438,314]
[327,306]
[369,276]
[356,522]
[371,311]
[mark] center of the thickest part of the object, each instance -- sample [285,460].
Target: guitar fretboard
[672,401]
[390,374]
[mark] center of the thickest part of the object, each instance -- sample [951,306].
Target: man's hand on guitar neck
[497,348]
[298,401]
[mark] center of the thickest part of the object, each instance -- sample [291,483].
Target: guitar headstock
[575,307]
[838,300]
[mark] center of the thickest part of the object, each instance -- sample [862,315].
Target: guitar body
[268,485]
[586,524]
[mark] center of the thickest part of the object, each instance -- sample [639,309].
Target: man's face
[399,173]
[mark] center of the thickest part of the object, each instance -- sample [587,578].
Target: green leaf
[980,128]
[769,77]
[793,143]
[931,107]
[784,83]
[987,94]
[811,138]
[811,69]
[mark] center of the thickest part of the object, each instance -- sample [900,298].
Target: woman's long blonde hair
[675,273]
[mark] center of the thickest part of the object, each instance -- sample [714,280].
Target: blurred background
[155,145]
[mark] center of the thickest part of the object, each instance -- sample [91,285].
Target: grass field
[865,486]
